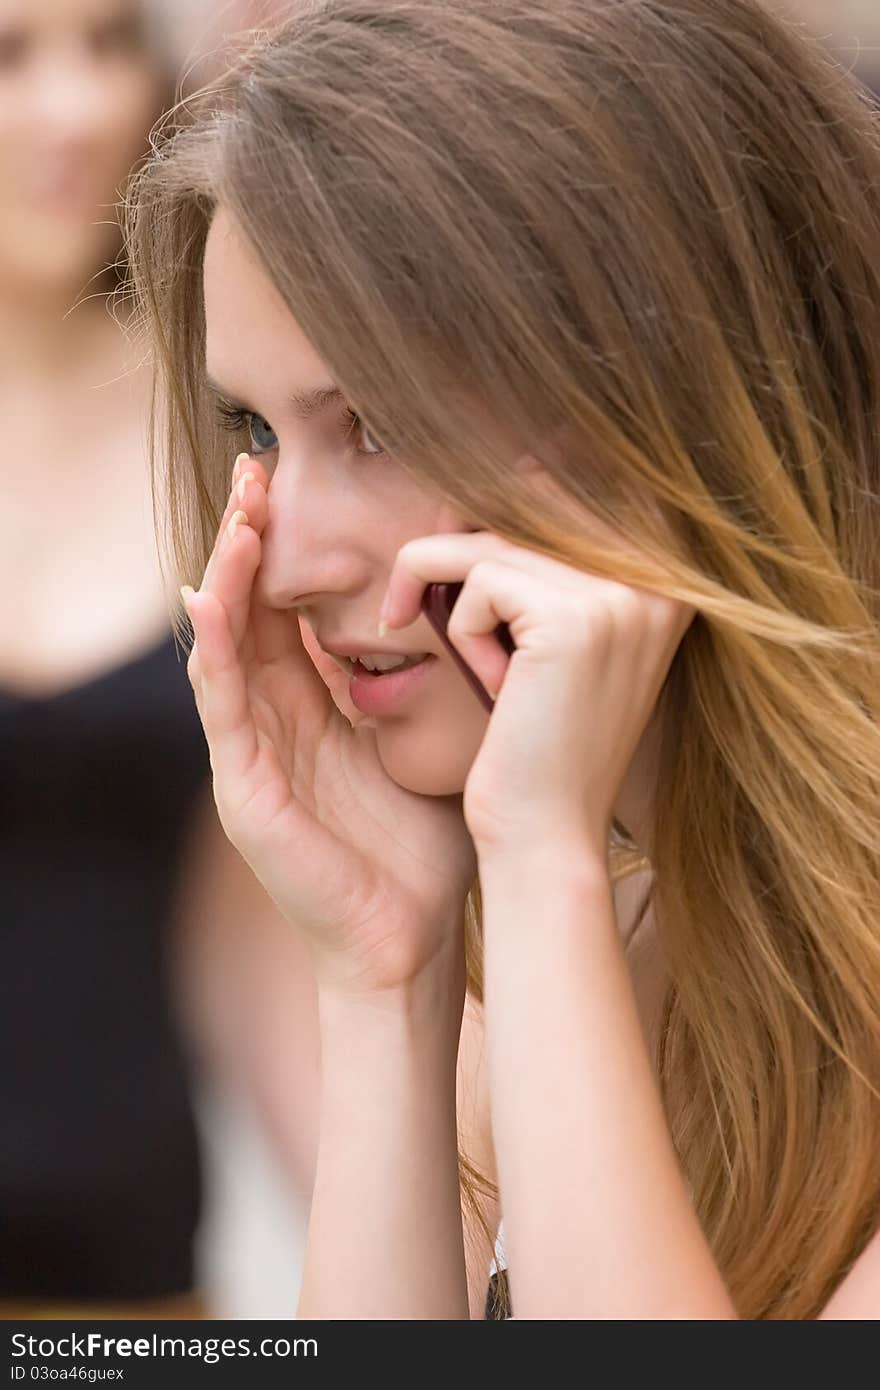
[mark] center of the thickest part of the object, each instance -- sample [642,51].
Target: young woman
[576,305]
[127,914]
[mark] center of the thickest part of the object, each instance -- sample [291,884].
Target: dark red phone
[438,602]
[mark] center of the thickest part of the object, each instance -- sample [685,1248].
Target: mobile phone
[438,602]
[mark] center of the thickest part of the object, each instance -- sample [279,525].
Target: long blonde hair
[648,231]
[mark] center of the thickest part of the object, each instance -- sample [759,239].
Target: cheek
[416,510]
[19,143]
[132,105]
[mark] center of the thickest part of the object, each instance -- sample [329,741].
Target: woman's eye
[13,48]
[263,437]
[122,35]
[355,426]
[371,444]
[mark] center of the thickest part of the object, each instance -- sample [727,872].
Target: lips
[385,693]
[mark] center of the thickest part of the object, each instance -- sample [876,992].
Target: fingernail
[186,593]
[240,461]
[384,610]
[243,481]
[234,522]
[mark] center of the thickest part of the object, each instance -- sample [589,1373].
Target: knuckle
[587,626]
[483,573]
[488,539]
[455,628]
[406,552]
[495,544]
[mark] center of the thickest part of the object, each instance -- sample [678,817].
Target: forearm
[385,1234]
[598,1222]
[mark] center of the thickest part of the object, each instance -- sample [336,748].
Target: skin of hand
[573,699]
[374,874]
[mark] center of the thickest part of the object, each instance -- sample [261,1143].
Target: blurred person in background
[135,941]
[849,28]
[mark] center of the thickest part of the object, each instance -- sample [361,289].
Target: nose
[70,100]
[317,538]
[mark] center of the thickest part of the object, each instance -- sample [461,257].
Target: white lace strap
[500,1260]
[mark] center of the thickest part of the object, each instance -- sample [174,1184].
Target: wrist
[551,902]
[547,859]
[421,1014]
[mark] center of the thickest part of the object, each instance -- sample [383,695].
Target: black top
[100,1185]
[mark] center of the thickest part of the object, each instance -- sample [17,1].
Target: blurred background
[158,1040]
[849,28]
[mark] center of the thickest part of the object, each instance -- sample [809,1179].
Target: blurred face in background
[79,89]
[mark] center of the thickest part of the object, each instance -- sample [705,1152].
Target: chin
[431,766]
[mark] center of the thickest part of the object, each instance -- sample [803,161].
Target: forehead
[248,327]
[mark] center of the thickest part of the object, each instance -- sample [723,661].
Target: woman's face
[337,518]
[77,96]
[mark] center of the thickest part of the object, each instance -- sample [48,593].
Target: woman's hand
[375,875]
[572,701]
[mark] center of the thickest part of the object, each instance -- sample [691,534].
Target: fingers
[248,502]
[236,558]
[219,616]
[336,681]
[494,594]
[448,559]
[220,685]
[247,463]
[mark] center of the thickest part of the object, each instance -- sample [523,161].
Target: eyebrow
[306,404]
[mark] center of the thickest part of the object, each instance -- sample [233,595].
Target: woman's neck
[45,333]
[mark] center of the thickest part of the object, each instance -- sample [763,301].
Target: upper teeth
[383,661]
